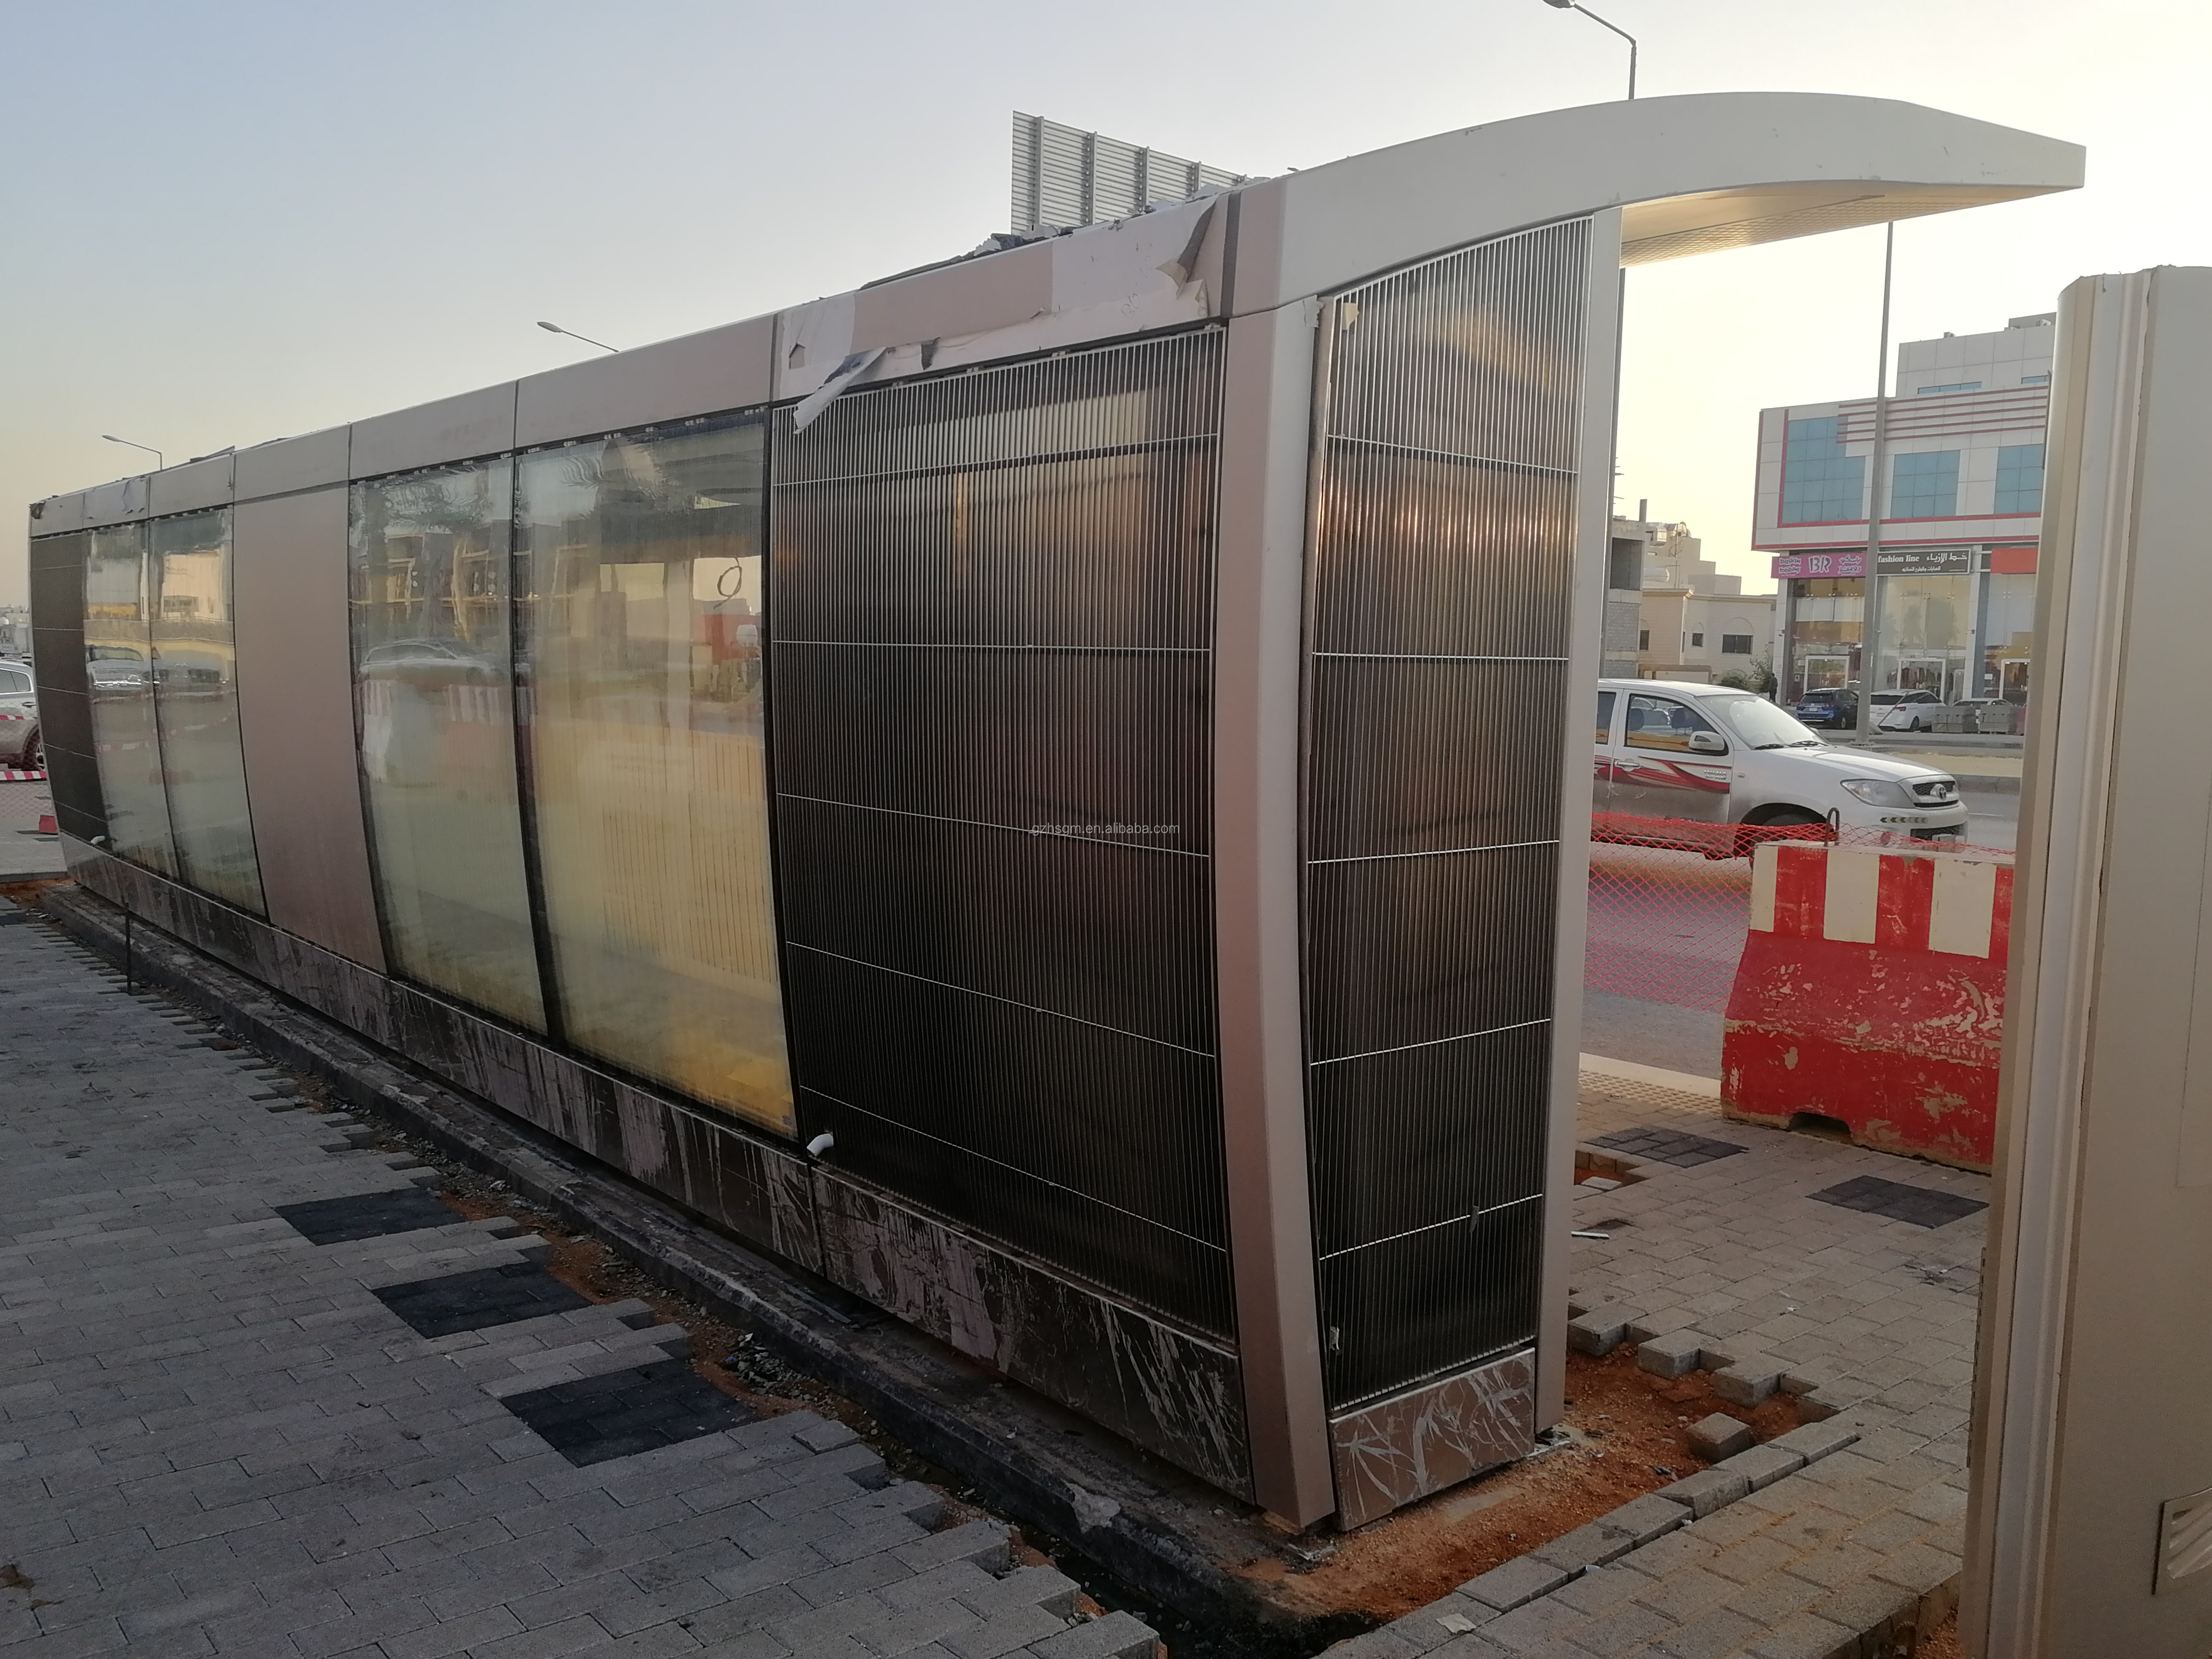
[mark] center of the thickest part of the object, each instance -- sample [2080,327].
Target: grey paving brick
[1016,1627]
[1117,1635]
[1708,1490]
[1509,1586]
[1624,1629]
[1804,1637]
[1762,1465]
[1672,1353]
[1036,1587]
[1532,1626]
[1710,1635]
[983,1542]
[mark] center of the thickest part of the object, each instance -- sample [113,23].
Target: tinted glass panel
[1924,485]
[642,640]
[1820,483]
[118,650]
[434,670]
[196,705]
[2020,478]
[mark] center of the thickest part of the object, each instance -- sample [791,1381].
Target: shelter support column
[2092,1428]
[1260,589]
[1601,399]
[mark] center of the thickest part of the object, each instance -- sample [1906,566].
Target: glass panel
[118,651]
[434,669]
[2020,478]
[1924,485]
[1820,483]
[1826,622]
[2007,636]
[1604,716]
[1925,627]
[642,635]
[196,705]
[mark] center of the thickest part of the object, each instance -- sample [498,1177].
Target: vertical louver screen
[1437,681]
[990,690]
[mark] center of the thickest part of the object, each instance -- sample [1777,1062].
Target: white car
[1679,763]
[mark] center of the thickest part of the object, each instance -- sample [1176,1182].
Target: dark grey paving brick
[367,1215]
[1897,1200]
[1675,1147]
[486,1296]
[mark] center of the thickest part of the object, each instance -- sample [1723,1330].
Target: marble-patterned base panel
[1172,1393]
[1397,1451]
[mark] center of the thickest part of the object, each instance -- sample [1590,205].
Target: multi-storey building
[1692,622]
[1961,487]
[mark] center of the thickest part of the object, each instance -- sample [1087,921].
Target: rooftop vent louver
[1065,177]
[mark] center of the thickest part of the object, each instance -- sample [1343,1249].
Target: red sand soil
[1942,1643]
[1628,1440]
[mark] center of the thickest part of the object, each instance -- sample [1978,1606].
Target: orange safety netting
[1670,901]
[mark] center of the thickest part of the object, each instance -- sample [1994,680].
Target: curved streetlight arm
[555,328]
[1573,5]
[159,459]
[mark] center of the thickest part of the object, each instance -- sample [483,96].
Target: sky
[231,220]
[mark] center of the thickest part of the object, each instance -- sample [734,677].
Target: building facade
[1692,622]
[1037,789]
[1960,477]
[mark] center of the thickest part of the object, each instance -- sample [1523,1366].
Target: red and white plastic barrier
[1872,991]
[16,774]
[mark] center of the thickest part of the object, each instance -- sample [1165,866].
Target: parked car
[21,747]
[1837,706]
[1907,711]
[1704,760]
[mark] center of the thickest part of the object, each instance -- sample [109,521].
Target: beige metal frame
[2096,1335]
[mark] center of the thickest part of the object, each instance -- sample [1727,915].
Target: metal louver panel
[1440,604]
[992,685]
[1066,176]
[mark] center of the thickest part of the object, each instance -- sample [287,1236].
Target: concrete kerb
[1142,1523]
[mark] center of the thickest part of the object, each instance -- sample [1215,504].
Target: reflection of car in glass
[1695,755]
[412,692]
[118,674]
[431,662]
[1838,707]
[20,746]
[1907,711]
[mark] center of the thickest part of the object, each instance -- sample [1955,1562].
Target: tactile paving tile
[334,1220]
[596,1418]
[1667,1145]
[1921,1205]
[488,1295]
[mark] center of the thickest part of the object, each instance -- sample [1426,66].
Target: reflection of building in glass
[1034,790]
[1962,506]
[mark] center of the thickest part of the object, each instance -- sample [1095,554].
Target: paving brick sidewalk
[1843,1538]
[23,852]
[216,1437]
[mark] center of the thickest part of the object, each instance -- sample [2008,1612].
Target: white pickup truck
[1706,758]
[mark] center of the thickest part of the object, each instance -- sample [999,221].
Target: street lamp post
[555,328]
[159,461]
[1570,5]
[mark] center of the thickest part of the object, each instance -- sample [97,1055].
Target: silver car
[21,748]
[1684,763]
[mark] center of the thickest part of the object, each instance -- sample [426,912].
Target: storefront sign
[1820,566]
[1925,561]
